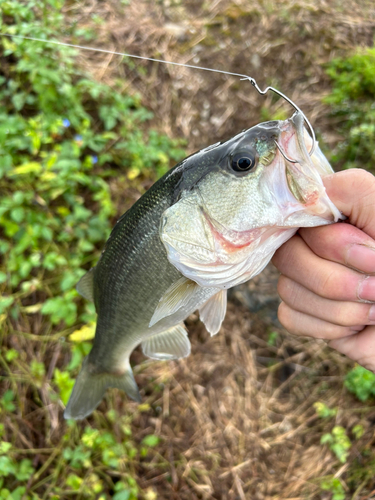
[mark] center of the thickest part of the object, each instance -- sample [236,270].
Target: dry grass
[280,43]
[236,418]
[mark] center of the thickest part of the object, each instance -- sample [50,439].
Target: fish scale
[134,254]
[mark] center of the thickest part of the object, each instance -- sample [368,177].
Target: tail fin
[90,387]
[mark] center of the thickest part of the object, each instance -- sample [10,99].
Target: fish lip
[303,178]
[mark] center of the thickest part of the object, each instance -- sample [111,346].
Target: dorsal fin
[85,285]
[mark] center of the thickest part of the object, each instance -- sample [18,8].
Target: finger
[298,323]
[327,279]
[359,347]
[353,192]
[342,243]
[340,313]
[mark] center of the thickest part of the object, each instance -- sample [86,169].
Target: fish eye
[243,161]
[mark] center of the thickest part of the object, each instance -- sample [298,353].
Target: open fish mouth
[225,230]
[304,177]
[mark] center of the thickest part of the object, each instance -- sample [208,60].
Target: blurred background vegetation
[253,413]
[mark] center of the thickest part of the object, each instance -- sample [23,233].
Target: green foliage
[59,134]
[6,402]
[102,447]
[20,470]
[62,137]
[323,411]
[151,440]
[338,442]
[333,485]
[83,458]
[358,431]
[272,338]
[352,100]
[361,382]
[64,383]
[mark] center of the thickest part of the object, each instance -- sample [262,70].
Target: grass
[252,413]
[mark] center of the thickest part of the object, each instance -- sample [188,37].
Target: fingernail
[371,314]
[366,289]
[361,257]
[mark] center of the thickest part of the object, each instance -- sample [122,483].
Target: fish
[212,222]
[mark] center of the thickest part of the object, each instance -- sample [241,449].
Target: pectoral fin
[85,285]
[174,298]
[212,313]
[171,344]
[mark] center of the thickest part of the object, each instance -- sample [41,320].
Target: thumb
[353,192]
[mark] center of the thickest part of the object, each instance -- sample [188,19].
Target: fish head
[241,200]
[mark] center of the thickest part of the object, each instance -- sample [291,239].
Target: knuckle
[364,179]
[327,286]
[331,331]
[367,361]
[358,314]
[364,184]
[350,314]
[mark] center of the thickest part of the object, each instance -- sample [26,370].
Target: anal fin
[171,344]
[212,313]
[85,285]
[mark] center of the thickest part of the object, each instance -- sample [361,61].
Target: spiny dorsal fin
[175,297]
[171,344]
[212,313]
[85,285]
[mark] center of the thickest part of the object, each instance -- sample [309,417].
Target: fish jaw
[226,229]
[304,178]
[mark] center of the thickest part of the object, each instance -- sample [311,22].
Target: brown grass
[281,43]
[237,417]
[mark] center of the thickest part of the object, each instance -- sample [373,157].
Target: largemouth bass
[212,222]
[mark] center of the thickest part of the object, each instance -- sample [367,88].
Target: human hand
[327,281]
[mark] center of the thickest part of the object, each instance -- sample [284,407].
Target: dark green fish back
[133,271]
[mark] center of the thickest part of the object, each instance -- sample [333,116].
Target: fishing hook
[263,92]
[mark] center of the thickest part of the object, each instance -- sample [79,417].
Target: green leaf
[151,440]
[360,382]
[27,168]
[122,495]
[64,383]
[7,401]
[25,470]
[7,466]
[5,302]
[5,447]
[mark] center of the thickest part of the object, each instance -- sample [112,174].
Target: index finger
[353,192]
[342,243]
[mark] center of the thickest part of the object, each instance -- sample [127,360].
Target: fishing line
[201,68]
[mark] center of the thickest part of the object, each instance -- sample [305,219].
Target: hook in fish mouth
[283,153]
[298,112]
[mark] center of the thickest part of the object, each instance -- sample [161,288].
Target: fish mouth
[304,178]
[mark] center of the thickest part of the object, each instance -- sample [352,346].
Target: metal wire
[202,68]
